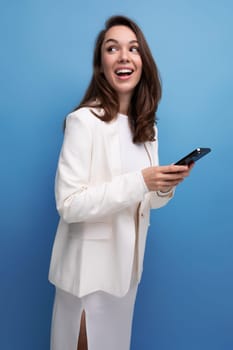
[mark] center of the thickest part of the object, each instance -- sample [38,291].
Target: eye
[134,49]
[111,49]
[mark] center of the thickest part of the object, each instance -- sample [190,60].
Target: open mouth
[123,72]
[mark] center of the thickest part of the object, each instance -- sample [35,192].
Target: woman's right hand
[163,178]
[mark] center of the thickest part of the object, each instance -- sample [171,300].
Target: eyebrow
[116,41]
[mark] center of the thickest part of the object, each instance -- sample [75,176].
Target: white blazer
[95,240]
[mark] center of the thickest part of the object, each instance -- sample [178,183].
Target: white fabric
[133,156]
[95,241]
[108,320]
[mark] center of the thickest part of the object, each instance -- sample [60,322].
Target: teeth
[124,71]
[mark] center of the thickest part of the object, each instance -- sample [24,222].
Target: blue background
[185,298]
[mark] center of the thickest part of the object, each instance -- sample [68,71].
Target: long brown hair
[146,95]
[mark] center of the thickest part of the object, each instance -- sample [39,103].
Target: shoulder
[86,116]
[83,114]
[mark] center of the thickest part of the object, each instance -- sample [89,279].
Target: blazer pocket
[91,231]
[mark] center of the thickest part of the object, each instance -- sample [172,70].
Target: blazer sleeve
[76,199]
[159,199]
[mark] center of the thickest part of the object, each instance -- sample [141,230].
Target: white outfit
[108,320]
[95,241]
[98,252]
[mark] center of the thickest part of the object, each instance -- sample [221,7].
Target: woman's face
[121,61]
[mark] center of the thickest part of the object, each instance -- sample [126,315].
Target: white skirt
[108,320]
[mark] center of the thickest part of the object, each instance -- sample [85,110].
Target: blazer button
[142,215]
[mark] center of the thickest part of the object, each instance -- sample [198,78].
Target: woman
[108,179]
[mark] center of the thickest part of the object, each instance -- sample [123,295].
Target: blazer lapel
[149,151]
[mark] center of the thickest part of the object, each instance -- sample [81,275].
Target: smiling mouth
[123,72]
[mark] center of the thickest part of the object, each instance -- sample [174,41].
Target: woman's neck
[124,104]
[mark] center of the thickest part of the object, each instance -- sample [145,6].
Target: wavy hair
[146,95]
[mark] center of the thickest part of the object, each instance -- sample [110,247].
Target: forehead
[120,33]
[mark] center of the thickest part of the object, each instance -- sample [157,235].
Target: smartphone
[193,156]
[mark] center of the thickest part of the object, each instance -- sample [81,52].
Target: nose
[124,55]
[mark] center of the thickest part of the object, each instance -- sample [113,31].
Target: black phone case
[193,156]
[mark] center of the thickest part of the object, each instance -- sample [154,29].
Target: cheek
[140,65]
[106,64]
[107,73]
